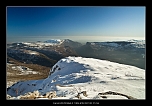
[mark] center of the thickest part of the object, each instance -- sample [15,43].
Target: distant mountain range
[95,70]
[43,53]
[130,52]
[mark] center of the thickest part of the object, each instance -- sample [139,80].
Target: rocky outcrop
[34,95]
[114,93]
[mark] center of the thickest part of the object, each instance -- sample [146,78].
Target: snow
[133,43]
[35,53]
[26,43]
[50,42]
[23,70]
[110,44]
[134,40]
[53,41]
[10,83]
[137,43]
[73,75]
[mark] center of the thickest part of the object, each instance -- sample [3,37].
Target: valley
[33,60]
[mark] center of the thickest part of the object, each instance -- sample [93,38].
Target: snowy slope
[53,41]
[137,43]
[73,75]
[122,44]
[50,42]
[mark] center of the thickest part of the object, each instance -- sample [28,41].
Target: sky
[75,22]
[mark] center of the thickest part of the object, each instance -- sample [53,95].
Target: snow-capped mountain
[42,53]
[71,44]
[131,52]
[71,76]
[121,44]
[54,41]
[137,43]
[51,42]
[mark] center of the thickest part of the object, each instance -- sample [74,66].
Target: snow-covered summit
[41,44]
[137,43]
[55,41]
[121,44]
[73,75]
[134,40]
[47,43]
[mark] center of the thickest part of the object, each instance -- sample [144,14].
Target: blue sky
[76,21]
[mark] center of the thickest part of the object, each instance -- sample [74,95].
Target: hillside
[86,78]
[45,53]
[18,71]
[33,60]
[131,52]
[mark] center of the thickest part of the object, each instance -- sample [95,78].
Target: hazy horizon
[81,39]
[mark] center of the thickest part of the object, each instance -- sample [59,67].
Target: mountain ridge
[90,75]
